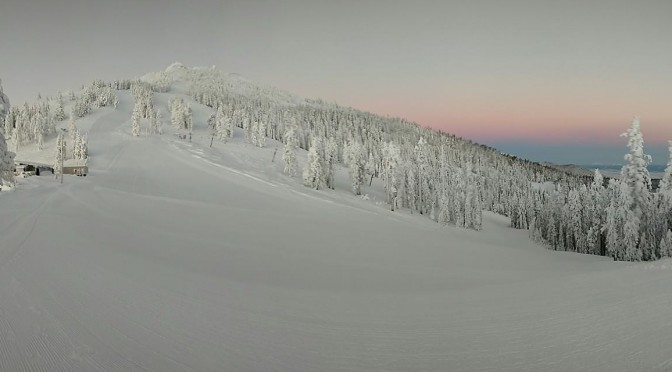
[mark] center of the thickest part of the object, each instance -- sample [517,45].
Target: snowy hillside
[172,255]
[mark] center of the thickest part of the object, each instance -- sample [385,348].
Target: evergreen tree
[189,120]
[313,173]
[356,161]
[135,120]
[6,164]
[220,125]
[390,160]
[637,184]
[153,122]
[289,151]
[59,114]
[331,157]
[596,208]
[60,153]
[4,106]
[665,186]
[10,121]
[261,133]
[40,141]
[665,246]
[83,147]
[159,121]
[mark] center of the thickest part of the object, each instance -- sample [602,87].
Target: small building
[24,170]
[75,166]
[28,168]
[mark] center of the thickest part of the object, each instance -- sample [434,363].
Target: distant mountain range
[653,168]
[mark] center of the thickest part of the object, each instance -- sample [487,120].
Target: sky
[546,80]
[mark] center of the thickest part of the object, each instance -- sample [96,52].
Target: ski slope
[174,256]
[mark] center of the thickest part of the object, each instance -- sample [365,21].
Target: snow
[4,104]
[174,256]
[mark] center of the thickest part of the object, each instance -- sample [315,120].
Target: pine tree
[665,247]
[4,106]
[176,113]
[84,150]
[59,114]
[60,153]
[313,172]
[159,121]
[355,159]
[76,145]
[596,208]
[422,190]
[665,187]
[247,127]
[331,155]
[289,151]
[637,184]
[228,126]
[220,126]
[135,120]
[152,122]
[6,164]
[10,120]
[40,140]
[189,120]
[261,134]
[390,160]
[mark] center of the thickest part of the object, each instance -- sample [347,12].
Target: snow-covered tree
[391,158]
[634,173]
[60,153]
[637,184]
[59,114]
[180,114]
[4,106]
[248,128]
[595,208]
[218,125]
[135,120]
[80,150]
[40,141]
[355,158]
[6,163]
[82,147]
[422,174]
[330,158]
[189,119]
[313,173]
[10,122]
[260,133]
[665,187]
[665,246]
[289,151]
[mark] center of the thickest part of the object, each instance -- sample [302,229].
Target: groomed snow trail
[165,259]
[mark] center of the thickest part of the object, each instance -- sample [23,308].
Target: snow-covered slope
[181,78]
[175,256]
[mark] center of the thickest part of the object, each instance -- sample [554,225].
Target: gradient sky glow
[524,76]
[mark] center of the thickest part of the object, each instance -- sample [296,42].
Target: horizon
[486,71]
